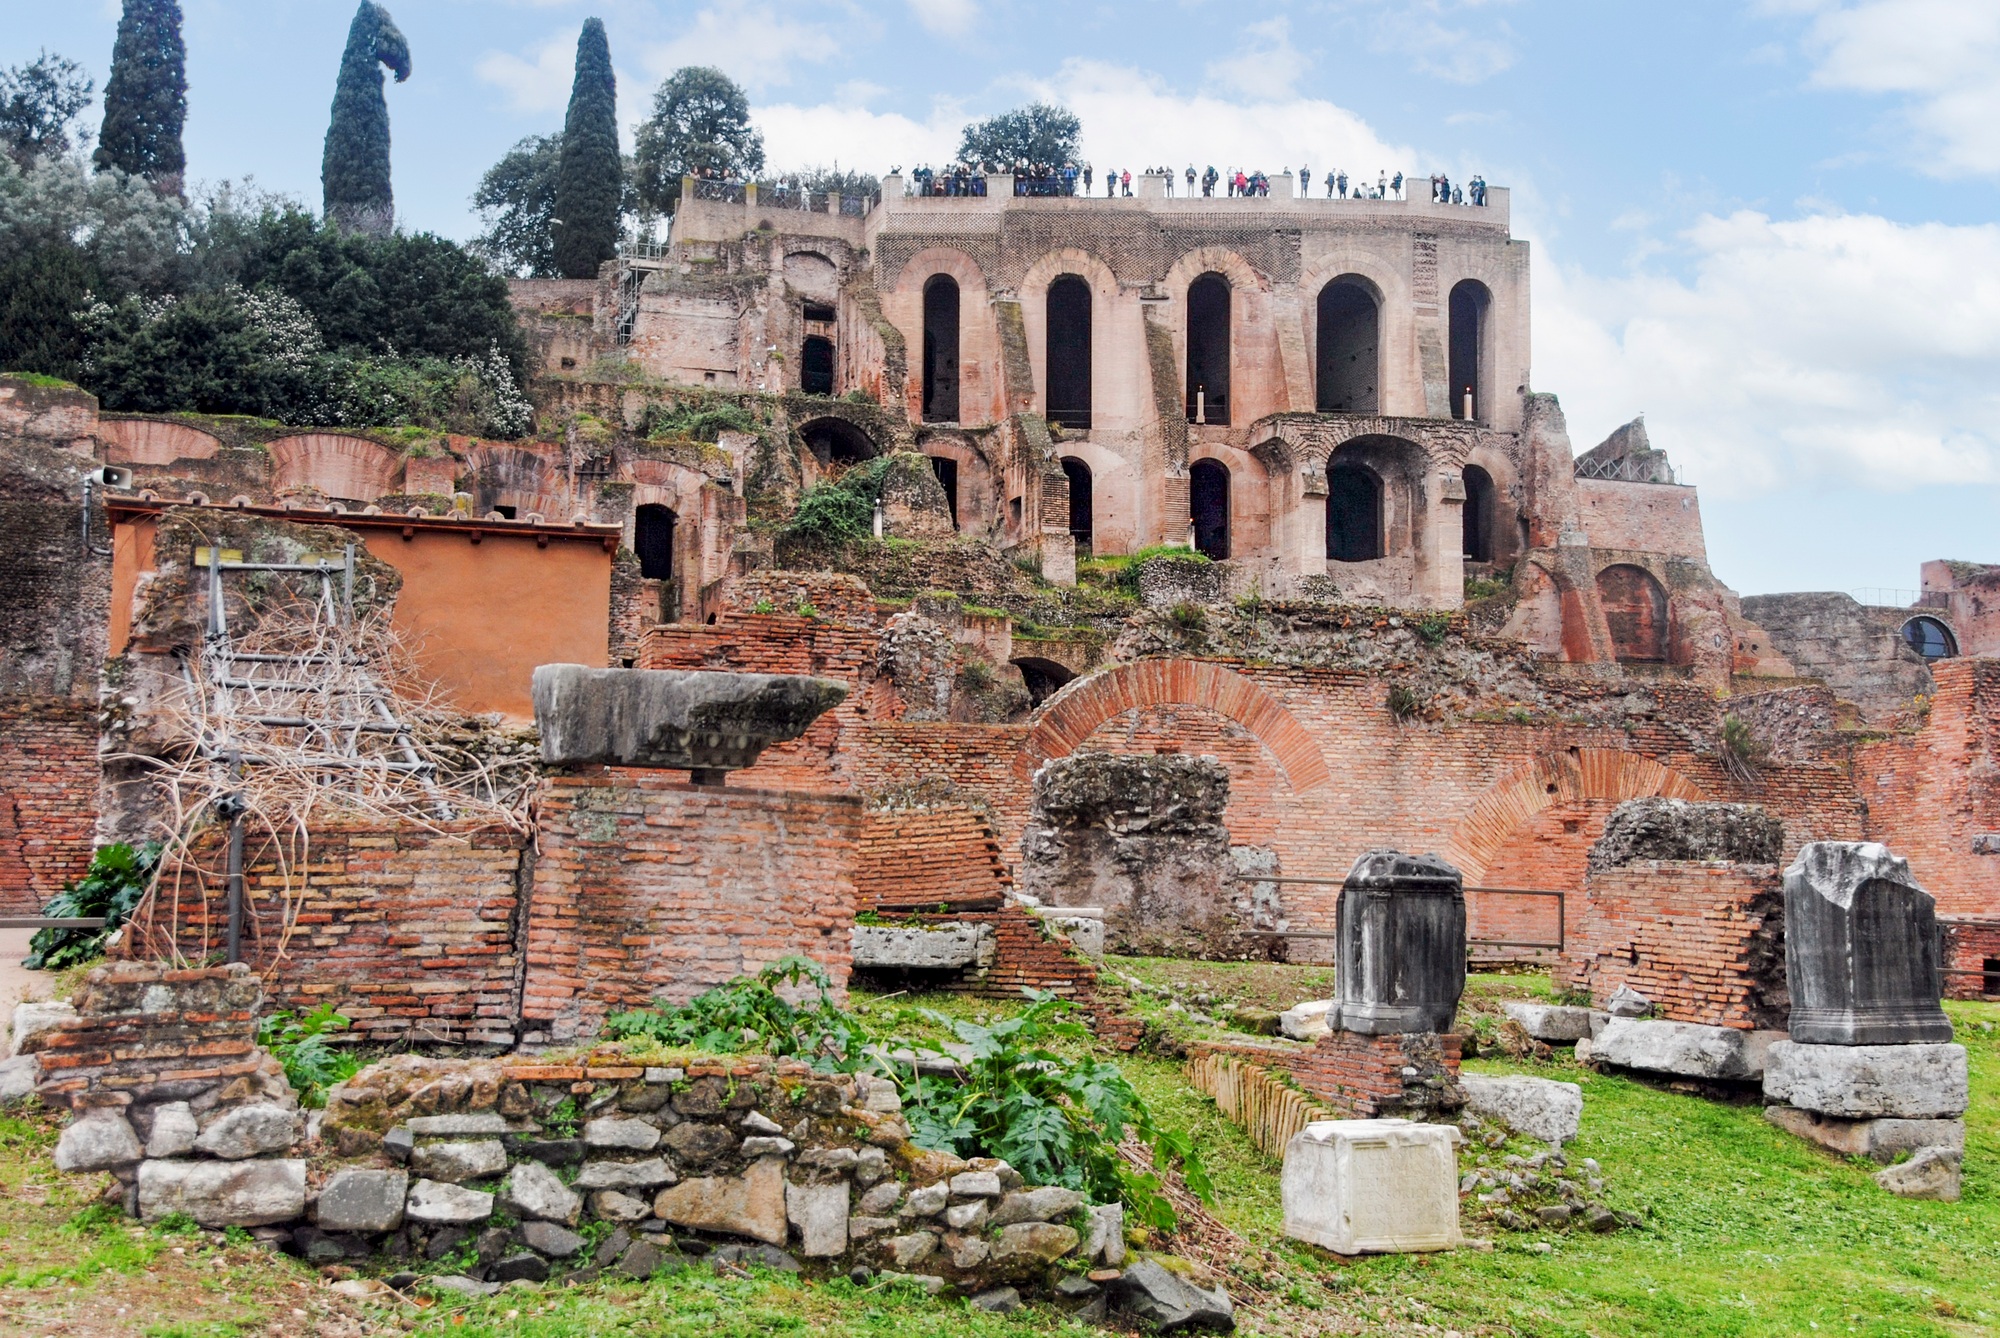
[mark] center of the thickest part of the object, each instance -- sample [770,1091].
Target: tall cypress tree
[591,184]
[354,173]
[145,100]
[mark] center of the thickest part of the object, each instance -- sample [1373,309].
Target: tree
[145,99]
[41,292]
[700,126]
[39,102]
[354,172]
[517,200]
[590,186]
[1041,136]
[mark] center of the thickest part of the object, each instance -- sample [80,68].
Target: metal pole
[236,884]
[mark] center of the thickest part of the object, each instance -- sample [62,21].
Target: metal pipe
[236,881]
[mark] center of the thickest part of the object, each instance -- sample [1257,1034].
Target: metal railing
[1561,900]
[1881,597]
[1628,469]
[723,192]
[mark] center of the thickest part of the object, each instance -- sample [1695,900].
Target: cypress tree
[354,172]
[590,185]
[145,100]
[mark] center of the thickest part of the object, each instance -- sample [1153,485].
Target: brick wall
[923,857]
[145,1032]
[1363,1077]
[410,933]
[646,888]
[48,797]
[1972,946]
[1704,942]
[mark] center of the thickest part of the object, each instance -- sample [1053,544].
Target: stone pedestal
[1401,926]
[1861,949]
[1863,1082]
[1878,1140]
[1684,1049]
[1373,1186]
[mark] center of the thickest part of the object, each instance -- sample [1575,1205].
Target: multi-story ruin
[1264,480]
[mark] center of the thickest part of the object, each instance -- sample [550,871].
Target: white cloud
[1833,348]
[850,134]
[1265,64]
[753,41]
[947,18]
[1437,37]
[1943,56]
[541,82]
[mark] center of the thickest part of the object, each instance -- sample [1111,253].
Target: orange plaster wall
[482,616]
[131,554]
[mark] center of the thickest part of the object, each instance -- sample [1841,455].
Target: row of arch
[1348,361]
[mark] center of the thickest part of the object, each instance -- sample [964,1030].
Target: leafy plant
[763,606]
[1431,627]
[1742,751]
[563,1118]
[842,511]
[1188,617]
[112,887]
[1404,703]
[1056,1118]
[748,1013]
[696,421]
[805,608]
[300,1043]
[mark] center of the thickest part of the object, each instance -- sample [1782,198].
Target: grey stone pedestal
[1865,1082]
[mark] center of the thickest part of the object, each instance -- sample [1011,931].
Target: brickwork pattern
[48,797]
[1972,958]
[1363,1077]
[144,1032]
[921,858]
[647,888]
[1703,942]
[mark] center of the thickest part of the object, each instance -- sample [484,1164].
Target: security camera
[111,476]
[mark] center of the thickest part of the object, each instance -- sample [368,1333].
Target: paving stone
[1538,1107]
[448,1204]
[259,1192]
[459,1162]
[1867,1081]
[359,1200]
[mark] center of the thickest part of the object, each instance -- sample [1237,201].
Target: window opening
[941,350]
[816,366]
[1349,325]
[1353,514]
[653,541]
[1478,514]
[1068,356]
[1635,611]
[1929,638]
[1208,349]
[1468,345]
[1081,525]
[946,470]
[1208,503]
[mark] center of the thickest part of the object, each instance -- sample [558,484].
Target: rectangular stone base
[1863,1082]
[1373,1186]
[1879,1140]
[1554,1023]
[1684,1049]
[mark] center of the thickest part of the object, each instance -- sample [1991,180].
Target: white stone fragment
[224,1193]
[1372,1186]
[1554,1023]
[37,1016]
[1684,1049]
[98,1140]
[174,1130]
[1306,1021]
[1538,1107]
[435,1202]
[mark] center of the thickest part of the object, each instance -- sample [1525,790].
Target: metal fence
[1471,941]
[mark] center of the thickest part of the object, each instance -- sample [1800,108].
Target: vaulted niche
[1353,513]
[946,470]
[1635,611]
[1479,516]
[837,442]
[1469,302]
[1208,349]
[1349,346]
[1081,526]
[1069,352]
[653,540]
[816,365]
[941,350]
[1208,503]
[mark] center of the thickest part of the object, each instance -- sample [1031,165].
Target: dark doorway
[941,350]
[835,441]
[1080,523]
[653,541]
[1069,352]
[946,470]
[1044,677]
[1208,349]
[1468,341]
[1635,611]
[1353,514]
[1208,501]
[1478,515]
[1349,336]
[816,366]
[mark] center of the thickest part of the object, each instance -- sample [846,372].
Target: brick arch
[1070,717]
[1567,777]
[149,441]
[339,466]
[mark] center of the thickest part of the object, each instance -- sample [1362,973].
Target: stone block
[648,1174]
[1168,1303]
[1878,1139]
[459,1162]
[436,1203]
[533,1190]
[1553,1023]
[174,1130]
[1933,1173]
[18,1077]
[1401,945]
[1306,1021]
[1027,1246]
[881,1199]
[819,1212]
[1538,1107]
[224,1193]
[250,1131]
[1372,1186]
[1861,948]
[614,1206]
[1046,1204]
[1684,1049]
[623,1135]
[1085,931]
[751,1204]
[928,1200]
[697,720]
[967,1216]
[100,1139]
[523,1267]
[37,1016]
[1104,1241]
[1920,1082]
[768,1147]
[976,1184]
[363,1201]
[458,1126]
[920,947]
[557,1242]
[909,1250]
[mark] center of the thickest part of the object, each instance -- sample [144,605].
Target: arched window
[1349,340]
[1930,638]
[816,366]
[1353,514]
[1469,301]
[1081,525]
[1478,515]
[1208,503]
[1208,349]
[1635,610]
[653,541]
[946,470]
[1069,352]
[941,350]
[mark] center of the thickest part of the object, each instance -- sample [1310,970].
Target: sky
[1768,226]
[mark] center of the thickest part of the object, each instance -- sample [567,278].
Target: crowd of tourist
[1079,179]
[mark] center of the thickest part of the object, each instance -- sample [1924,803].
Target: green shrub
[749,1014]
[311,1064]
[1431,627]
[697,421]
[842,511]
[112,887]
